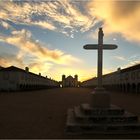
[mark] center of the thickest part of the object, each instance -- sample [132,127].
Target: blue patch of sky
[126,49]
[4,31]
[56,40]
[5,47]
[74,46]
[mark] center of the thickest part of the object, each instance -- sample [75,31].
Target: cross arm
[95,46]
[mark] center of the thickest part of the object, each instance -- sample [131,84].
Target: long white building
[13,78]
[125,80]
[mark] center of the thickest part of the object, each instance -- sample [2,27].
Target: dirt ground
[42,114]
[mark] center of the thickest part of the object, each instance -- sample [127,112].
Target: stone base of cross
[100,97]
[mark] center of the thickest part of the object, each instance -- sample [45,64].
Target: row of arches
[34,87]
[125,87]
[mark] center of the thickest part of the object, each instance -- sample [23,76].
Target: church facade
[124,80]
[69,81]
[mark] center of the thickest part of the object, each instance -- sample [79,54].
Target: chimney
[119,69]
[63,77]
[26,69]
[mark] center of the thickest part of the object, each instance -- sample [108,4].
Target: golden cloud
[40,67]
[22,39]
[50,15]
[45,25]
[42,57]
[9,60]
[118,16]
[4,62]
[5,24]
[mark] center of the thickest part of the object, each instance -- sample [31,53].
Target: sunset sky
[48,36]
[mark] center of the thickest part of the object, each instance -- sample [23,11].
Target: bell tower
[63,80]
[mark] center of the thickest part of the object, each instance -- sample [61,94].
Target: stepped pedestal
[100,117]
[85,119]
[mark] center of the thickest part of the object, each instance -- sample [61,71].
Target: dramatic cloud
[44,25]
[5,24]
[4,62]
[40,67]
[69,16]
[54,15]
[23,40]
[7,60]
[42,58]
[118,17]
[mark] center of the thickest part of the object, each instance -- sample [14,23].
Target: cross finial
[100,36]
[100,29]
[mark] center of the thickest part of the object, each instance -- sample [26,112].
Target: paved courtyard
[42,113]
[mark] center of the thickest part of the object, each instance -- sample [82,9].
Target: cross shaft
[100,46]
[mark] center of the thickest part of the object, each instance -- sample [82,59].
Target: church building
[69,81]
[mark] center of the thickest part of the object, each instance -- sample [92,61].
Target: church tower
[76,80]
[63,80]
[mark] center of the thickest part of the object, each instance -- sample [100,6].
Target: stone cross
[100,46]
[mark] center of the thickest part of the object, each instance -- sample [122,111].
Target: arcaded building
[13,79]
[69,81]
[125,80]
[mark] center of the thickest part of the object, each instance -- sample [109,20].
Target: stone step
[125,118]
[72,126]
[113,110]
